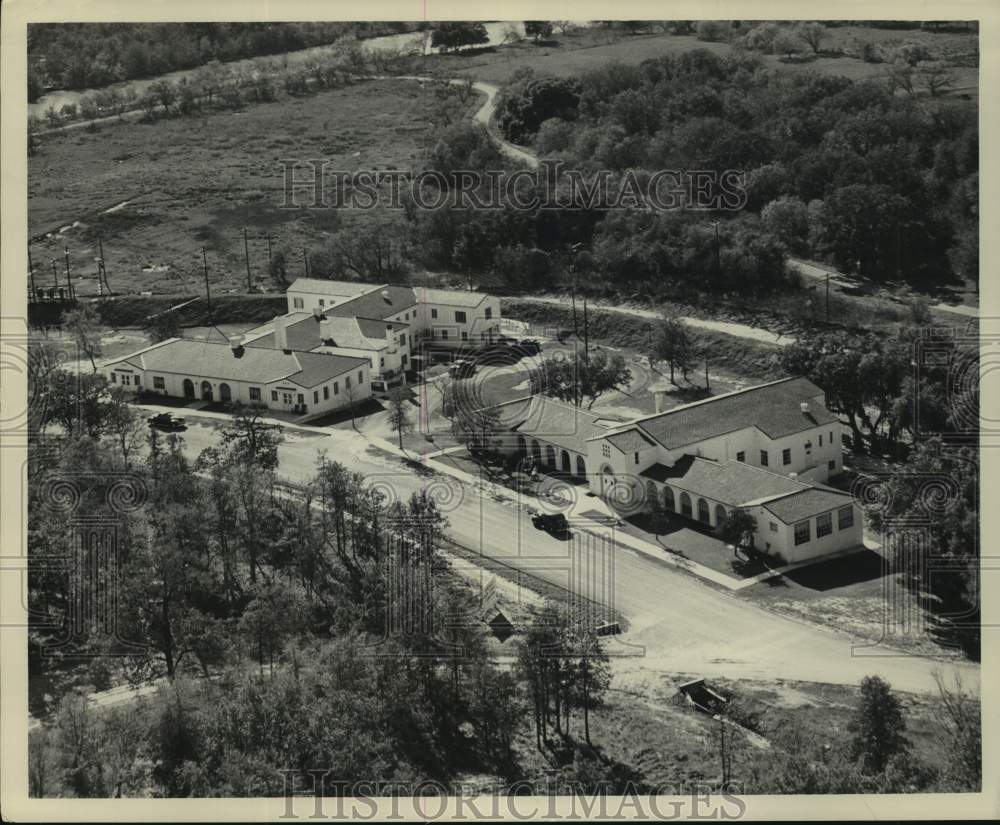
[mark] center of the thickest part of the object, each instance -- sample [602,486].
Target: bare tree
[399,414]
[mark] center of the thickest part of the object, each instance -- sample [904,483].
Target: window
[434,313]
[809,446]
[459,317]
[347,383]
[741,456]
[286,398]
[821,439]
[381,362]
[773,525]
[465,335]
[114,378]
[336,388]
[763,458]
[802,532]
[403,359]
[831,465]
[302,398]
[274,395]
[824,525]
[159,383]
[407,316]
[315,396]
[297,303]
[321,302]
[444,335]
[786,456]
[326,393]
[489,312]
[402,340]
[361,377]
[606,450]
[255,393]
[831,437]
[636,458]
[138,381]
[126,380]
[845,517]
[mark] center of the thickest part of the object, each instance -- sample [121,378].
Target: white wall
[783,541]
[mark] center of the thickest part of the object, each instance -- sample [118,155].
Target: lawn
[193,182]
[857,594]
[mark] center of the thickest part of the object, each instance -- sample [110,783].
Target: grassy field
[191,182]
[583,50]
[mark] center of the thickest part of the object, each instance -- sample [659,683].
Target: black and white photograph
[528,416]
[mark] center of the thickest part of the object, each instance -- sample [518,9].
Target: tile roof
[340,289]
[256,365]
[772,408]
[303,332]
[739,485]
[731,482]
[450,297]
[380,303]
[628,441]
[807,503]
[546,419]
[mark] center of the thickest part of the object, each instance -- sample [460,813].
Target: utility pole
[586,332]
[246,256]
[31,275]
[208,292]
[305,260]
[707,387]
[66,252]
[55,274]
[576,374]
[828,297]
[269,250]
[102,270]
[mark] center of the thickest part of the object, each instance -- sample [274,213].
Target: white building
[448,317]
[296,382]
[766,449]
[385,344]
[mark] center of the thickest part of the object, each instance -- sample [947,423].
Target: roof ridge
[141,351]
[713,398]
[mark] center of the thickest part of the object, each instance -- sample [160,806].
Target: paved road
[677,623]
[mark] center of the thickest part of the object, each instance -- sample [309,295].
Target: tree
[788,43]
[122,422]
[813,33]
[737,529]
[399,414]
[580,377]
[592,673]
[278,268]
[250,439]
[878,726]
[452,36]
[478,429]
[537,29]
[163,325]
[83,324]
[672,343]
[962,725]
[936,75]
[165,92]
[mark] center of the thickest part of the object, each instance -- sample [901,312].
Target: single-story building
[298,382]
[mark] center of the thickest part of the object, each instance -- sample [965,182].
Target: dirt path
[729,328]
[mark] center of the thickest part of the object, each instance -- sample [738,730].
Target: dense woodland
[90,55]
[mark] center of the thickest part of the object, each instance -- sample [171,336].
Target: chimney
[317,311]
[385,295]
[235,342]
[280,333]
[659,396]
[804,406]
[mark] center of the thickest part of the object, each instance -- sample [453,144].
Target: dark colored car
[554,523]
[167,423]
[530,346]
[506,340]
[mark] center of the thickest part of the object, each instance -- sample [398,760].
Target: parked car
[167,423]
[554,523]
[530,346]
[462,368]
[506,340]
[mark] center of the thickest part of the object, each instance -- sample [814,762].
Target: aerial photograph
[519,408]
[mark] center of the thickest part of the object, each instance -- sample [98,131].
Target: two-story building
[386,344]
[446,317]
[279,379]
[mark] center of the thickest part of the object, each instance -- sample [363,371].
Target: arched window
[522,445]
[567,466]
[720,514]
[206,391]
[651,495]
[581,467]
[668,499]
[703,511]
[188,388]
[685,505]
[550,456]
[225,394]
